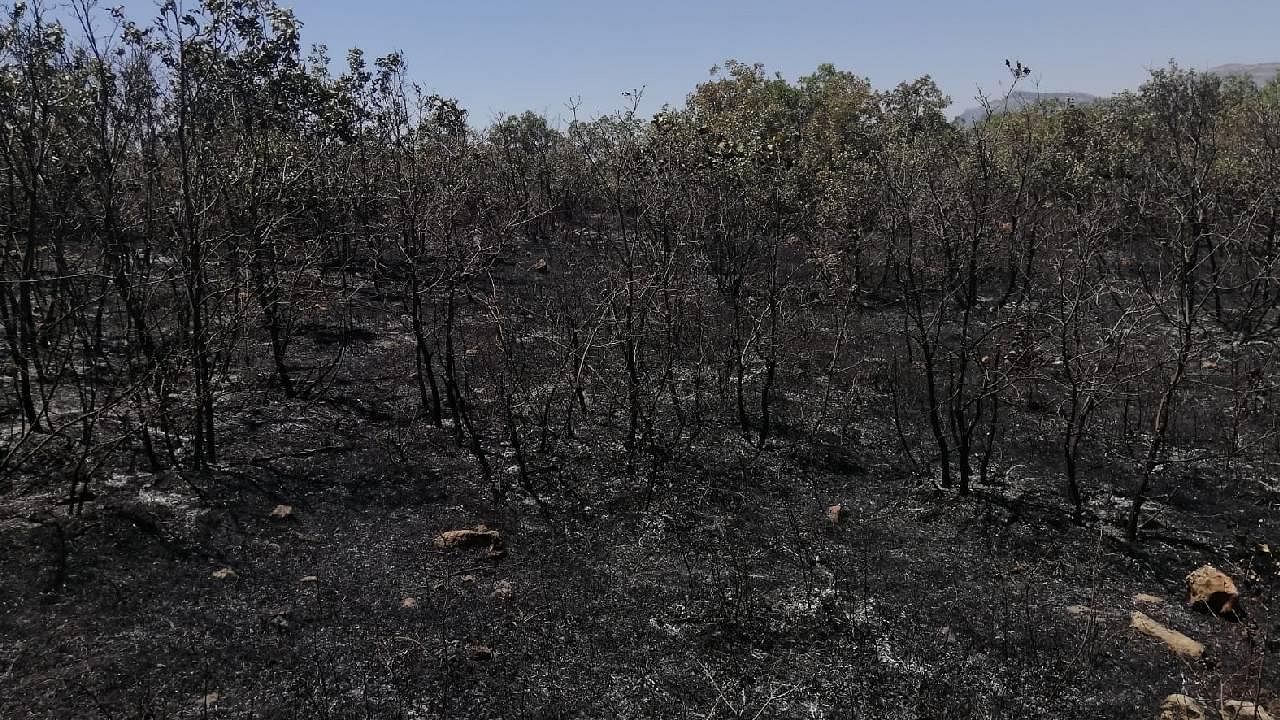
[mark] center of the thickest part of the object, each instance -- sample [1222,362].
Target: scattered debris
[309,579]
[1181,707]
[665,627]
[837,513]
[282,512]
[482,653]
[225,574]
[279,619]
[474,537]
[209,698]
[1177,642]
[1091,612]
[1208,588]
[503,590]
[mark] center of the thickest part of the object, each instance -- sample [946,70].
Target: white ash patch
[164,499]
[665,627]
[120,480]
[886,655]
[801,603]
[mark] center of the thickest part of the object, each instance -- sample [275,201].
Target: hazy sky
[511,55]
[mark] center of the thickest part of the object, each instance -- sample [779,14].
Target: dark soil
[714,587]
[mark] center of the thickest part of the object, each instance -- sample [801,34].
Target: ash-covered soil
[715,587]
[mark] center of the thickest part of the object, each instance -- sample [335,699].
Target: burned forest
[322,397]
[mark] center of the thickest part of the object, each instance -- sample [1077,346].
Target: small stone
[468,578]
[1176,641]
[409,603]
[282,512]
[1181,707]
[1208,588]
[224,574]
[210,698]
[472,537]
[1145,599]
[309,579]
[837,513]
[541,266]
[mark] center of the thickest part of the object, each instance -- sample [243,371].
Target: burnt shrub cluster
[195,205]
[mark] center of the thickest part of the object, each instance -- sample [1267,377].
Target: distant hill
[1019,99]
[1260,73]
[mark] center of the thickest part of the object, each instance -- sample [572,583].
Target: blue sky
[511,55]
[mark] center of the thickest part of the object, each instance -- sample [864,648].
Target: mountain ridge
[1259,73]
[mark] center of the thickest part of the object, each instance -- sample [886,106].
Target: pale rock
[1208,588]
[472,537]
[1243,710]
[1182,707]
[1176,641]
